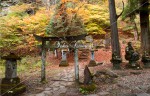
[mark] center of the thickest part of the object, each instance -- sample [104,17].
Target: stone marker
[87,76]
[10,85]
[64,61]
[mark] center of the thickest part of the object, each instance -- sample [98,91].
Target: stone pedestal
[146,64]
[146,60]
[10,85]
[133,65]
[116,61]
[92,61]
[116,64]
[64,61]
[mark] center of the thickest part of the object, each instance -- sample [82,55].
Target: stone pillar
[64,61]
[92,55]
[56,53]
[76,65]
[10,85]
[92,61]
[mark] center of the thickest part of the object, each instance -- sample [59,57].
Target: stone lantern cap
[93,50]
[11,56]
[64,49]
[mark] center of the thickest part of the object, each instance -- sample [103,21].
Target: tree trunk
[114,29]
[144,24]
[43,76]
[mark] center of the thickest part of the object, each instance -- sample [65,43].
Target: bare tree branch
[122,11]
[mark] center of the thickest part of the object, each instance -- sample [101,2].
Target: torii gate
[67,38]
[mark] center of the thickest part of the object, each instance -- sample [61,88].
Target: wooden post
[76,65]
[43,58]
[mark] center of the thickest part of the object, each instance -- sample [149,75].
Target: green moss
[11,81]
[86,89]
[12,90]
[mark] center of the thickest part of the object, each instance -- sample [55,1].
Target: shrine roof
[66,38]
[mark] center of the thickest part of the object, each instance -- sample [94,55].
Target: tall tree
[131,10]
[114,30]
[144,24]
[65,21]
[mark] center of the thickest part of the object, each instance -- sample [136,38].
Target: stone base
[133,65]
[92,63]
[147,65]
[116,66]
[12,87]
[63,63]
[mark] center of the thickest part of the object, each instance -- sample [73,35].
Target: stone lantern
[64,61]
[92,61]
[10,85]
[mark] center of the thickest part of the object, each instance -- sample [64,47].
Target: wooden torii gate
[43,56]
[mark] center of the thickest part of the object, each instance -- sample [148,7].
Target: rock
[49,93]
[106,72]
[63,90]
[87,76]
[61,86]
[136,90]
[123,86]
[56,84]
[40,94]
[103,93]
[31,95]
[142,94]
[55,89]
[47,89]
[135,73]
[148,91]
[105,75]
[63,83]
[92,95]
[129,94]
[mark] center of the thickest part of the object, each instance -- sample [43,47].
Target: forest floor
[61,80]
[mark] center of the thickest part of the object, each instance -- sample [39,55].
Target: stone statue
[132,56]
[146,60]
[129,51]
